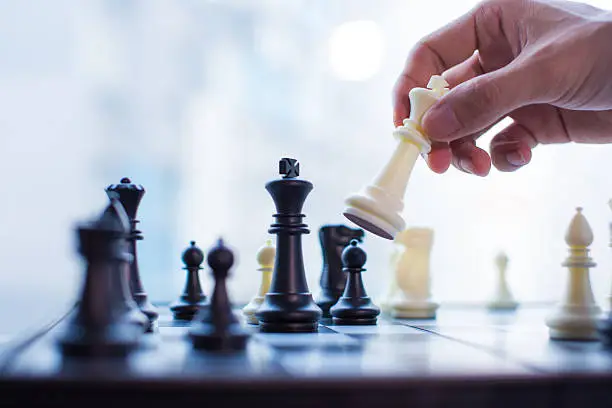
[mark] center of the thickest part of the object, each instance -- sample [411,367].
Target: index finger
[432,55]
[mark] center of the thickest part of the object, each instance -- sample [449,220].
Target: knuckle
[488,7]
[479,98]
[422,50]
[488,92]
[499,4]
[492,11]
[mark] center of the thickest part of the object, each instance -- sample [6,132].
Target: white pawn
[502,297]
[265,259]
[411,294]
[378,206]
[577,315]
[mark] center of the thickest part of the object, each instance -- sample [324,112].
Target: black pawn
[98,328]
[120,275]
[354,307]
[605,330]
[333,240]
[288,306]
[193,298]
[215,327]
[130,196]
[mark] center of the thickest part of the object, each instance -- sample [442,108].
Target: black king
[288,306]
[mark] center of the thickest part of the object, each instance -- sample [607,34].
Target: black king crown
[289,168]
[288,306]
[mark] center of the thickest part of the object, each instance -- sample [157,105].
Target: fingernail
[441,122]
[516,158]
[467,166]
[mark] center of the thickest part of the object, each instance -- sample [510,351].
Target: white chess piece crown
[377,208]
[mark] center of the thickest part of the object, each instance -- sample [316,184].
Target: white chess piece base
[250,309]
[412,310]
[502,305]
[574,323]
[370,221]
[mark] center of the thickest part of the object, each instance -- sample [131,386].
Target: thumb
[478,103]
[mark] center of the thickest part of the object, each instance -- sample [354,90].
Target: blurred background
[197,101]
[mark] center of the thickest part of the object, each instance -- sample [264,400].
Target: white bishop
[576,316]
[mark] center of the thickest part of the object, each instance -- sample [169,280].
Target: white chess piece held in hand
[377,208]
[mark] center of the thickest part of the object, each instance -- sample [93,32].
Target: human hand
[547,65]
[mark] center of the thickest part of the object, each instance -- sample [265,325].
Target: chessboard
[466,356]
[290,347]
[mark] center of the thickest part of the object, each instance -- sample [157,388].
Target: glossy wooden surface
[466,355]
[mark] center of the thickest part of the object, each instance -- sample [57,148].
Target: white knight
[410,294]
